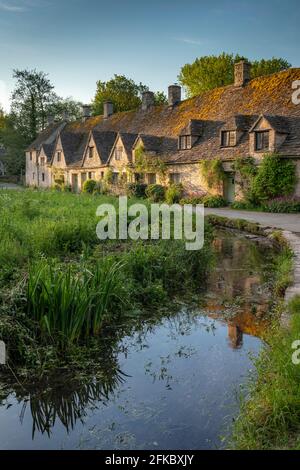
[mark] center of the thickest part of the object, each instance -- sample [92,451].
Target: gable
[91,160]
[58,148]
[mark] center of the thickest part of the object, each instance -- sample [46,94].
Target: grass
[60,286]
[270,419]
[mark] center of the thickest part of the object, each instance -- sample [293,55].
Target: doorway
[229,187]
[75,182]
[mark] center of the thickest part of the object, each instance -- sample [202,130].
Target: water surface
[174,383]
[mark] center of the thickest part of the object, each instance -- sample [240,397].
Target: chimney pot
[242,73]
[108,109]
[147,100]
[174,94]
[86,111]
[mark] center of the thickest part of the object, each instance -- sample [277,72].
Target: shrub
[192,200]
[98,189]
[276,177]
[283,205]
[155,192]
[89,186]
[136,189]
[243,205]
[214,201]
[213,172]
[174,193]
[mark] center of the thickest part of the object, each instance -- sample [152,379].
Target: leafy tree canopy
[123,92]
[209,72]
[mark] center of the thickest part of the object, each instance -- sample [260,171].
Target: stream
[174,383]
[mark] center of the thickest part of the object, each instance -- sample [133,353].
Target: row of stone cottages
[248,118]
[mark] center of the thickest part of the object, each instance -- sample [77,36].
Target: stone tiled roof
[128,141]
[216,110]
[47,136]
[104,142]
[73,145]
[48,149]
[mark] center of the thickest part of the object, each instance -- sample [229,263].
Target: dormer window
[262,141]
[58,156]
[118,153]
[185,142]
[42,161]
[91,152]
[228,139]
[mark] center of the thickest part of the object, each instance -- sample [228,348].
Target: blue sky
[78,42]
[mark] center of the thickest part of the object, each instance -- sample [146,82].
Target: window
[228,139]
[115,177]
[30,156]
[118,153]
[151,177]
[102,174]
[42,161]
[33,176]
[175,178]
[91,152]
[91,175]
[43,176]
[262,141]
[185,142]
[58,155]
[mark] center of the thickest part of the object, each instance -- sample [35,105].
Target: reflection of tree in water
[66,399]
[68,402]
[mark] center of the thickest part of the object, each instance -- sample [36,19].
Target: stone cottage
[248,118]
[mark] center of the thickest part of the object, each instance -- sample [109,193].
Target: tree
[60,108]
[14,144]
[209,72]
[30,98]
[160,98]
[267,67]
[124,93]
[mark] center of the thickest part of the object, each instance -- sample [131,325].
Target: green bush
[89,186]
[276,177]
[243,205]
[214,201]
[282,205]
[194,200]
[155,192]
[174,193]
[136,189]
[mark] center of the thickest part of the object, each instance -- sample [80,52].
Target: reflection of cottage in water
[239,295]
[230,279]
[235,336]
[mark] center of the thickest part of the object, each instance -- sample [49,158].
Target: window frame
[91,152]
[175,178]
[226,138]
[185,142]
[261,135]
[118,153]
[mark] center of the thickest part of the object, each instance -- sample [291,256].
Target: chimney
[147,100]
[174,94]
[242,73]
[86,111]
[50,119]
[108,109]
